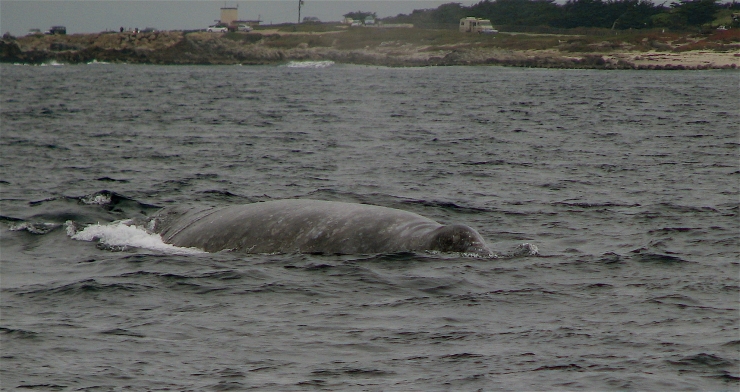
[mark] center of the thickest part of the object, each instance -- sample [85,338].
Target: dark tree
[517,12]
[360,15]
[696,12]
[584,13]
[614,14]
[449,13]
[632,14]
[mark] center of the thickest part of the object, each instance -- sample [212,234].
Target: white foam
[52,63]
[524,250]
[120,234]
[309,64]
[528,249]
[34,228]
[98,198]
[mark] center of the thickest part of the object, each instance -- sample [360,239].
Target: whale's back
[305,226]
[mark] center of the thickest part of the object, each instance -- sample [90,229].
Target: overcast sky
[18,16]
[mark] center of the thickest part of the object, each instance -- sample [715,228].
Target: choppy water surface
[627,182]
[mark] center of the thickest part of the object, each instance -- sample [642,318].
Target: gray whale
[312,226]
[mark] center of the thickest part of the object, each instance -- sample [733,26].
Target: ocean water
[626,182]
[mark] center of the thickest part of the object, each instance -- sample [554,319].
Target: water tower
[229,15]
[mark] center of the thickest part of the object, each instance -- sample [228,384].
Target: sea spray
[121,234]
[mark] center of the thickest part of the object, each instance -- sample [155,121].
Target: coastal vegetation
[607,14]
[431,37]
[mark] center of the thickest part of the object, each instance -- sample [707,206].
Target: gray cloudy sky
[18,16]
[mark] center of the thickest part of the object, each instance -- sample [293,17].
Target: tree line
[611,14]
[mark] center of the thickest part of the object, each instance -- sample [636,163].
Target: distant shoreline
[390,47]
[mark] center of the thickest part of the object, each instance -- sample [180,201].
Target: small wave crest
[121,234]
[34,227]
[310,64]
[523,250]
[100,198]
[52,63]
[526,249]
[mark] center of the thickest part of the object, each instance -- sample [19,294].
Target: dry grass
[245,38]
[294,41]
[395,46]
[343,38]
[155,40]
[726,36]
[306,27]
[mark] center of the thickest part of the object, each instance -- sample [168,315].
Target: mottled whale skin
[312,226]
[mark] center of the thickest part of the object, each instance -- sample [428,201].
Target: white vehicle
[244,27]
[217,29]
[476,25]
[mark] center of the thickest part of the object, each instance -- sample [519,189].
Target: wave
[34,227]
[445,205]
[20,333]
[52,63]
[83,287]
[702,360]
[102,206]
[121,235]
[658,258]
[523,250]
[101,198]
[310,64]
[594,205]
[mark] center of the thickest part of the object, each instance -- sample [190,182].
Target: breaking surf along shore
[395,47]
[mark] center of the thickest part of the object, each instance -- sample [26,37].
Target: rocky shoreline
[267,47]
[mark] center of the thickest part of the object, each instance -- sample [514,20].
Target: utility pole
[300,3]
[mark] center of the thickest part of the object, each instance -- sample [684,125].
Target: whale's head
[459,238]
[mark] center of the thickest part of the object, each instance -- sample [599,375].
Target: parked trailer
[476,25]
[57,30]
